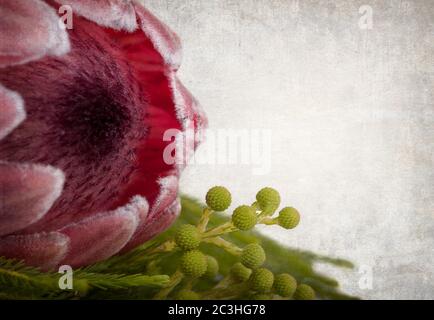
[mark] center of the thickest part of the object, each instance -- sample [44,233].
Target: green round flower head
[304,292]
[244,218]
[268,199]
[187,237]
[218,198]
[261,280]
[187,295]
[288,218]
[253,256]
[212,268]
[193,263]
[240,273]
[285,285]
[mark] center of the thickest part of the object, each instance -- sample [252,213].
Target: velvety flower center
[93,123]
[86,114]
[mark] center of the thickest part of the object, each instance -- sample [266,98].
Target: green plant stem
[227,227]
[225,282]
[166,246]
[226,245]
[268,221]
[255,206]
[203,222]
[175,279]
[265,213]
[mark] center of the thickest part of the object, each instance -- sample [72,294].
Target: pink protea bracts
[82,118]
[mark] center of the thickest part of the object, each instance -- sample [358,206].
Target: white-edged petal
[115,14]
[30,30]
[43,250]
[165,41]
[105,234]
[27,192]
[12,111]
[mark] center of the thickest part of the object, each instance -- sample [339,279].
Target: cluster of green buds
[247,277]
[261,282]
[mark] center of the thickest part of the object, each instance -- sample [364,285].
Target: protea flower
[82,118]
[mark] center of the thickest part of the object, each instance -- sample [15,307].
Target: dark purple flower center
[93,123]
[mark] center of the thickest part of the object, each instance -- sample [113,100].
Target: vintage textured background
[352,115]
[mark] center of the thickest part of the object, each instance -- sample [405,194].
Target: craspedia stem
[226,245]
[227,227]
[175,279]
[212,268]
[166,246]
[268,221]
[225,282]
[255,206]
[204,220]
[240,273]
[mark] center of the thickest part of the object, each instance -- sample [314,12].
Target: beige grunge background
[352,116]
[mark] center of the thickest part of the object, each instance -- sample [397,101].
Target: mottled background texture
[352,118]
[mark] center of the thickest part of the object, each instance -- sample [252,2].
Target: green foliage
[187,295]
[151,270]
[20,281]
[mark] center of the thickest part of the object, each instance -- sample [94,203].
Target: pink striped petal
[115,14]
[11,111]
[166,198]
[29,30]
[163,220]
[27,193]
[44,250]
[168,193]
[99,237]
[188,109]
[165,41]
